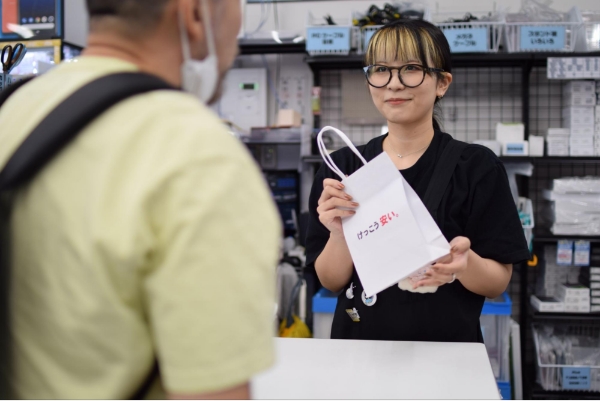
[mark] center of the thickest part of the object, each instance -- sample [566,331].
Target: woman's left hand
[453,267]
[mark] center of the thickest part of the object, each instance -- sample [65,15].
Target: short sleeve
[317,234]
[211,295]
[493,224]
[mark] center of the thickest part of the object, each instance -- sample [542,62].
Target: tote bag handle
[327,157]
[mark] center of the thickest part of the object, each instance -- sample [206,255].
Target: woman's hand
[332,198]
[451,268]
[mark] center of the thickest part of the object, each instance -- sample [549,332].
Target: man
[152,236]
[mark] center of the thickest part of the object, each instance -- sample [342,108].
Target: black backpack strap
[6,93]
[71,117]
[442,175]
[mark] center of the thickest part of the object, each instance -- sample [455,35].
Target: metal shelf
[539,393]
[269,46]
[537,316]
[463,60]
[554,238]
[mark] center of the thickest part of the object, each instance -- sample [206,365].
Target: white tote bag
[392,235]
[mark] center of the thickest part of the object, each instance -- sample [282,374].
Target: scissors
[12,57]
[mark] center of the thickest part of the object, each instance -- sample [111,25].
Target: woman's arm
[334,265]
[479,275]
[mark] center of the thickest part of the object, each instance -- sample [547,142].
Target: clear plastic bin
[555,364]
[340,39]
[563,40]
[495,326]
[487,34]
[323,307]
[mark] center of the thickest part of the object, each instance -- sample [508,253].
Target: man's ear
[191,17]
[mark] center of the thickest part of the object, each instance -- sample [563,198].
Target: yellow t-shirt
[151,236]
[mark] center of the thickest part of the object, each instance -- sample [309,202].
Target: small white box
[520,148]
[594,270]
[558,152]
[536,145]
[577,99]
[595,300]
[586,141]
[494,146]
[594,308]
[595,293]
[510,132]
[573,290]
[577,308]
[559,132]
[579,87]
[547,304]
[583,131]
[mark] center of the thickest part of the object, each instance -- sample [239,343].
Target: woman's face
[408,106]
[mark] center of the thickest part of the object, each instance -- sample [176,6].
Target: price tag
[542,37]
[328,38]
[576,378]
[467,40]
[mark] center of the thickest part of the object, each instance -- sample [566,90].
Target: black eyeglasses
[410,75]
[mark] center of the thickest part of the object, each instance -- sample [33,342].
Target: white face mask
[200,78]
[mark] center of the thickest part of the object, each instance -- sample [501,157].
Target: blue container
[505,390]
[324,301]
[498,307]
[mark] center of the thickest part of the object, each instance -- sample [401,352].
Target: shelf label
[576,378]
[328,38]
[368,35]
[467,40]
[542,37]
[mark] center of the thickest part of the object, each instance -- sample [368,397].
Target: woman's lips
[396,101]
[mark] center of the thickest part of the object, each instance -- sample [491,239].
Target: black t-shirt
[477,204]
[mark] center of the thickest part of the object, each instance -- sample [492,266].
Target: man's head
[145,21]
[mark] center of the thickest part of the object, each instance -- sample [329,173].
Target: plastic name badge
[467,40]
[328,38]
[576,378]
[542,37]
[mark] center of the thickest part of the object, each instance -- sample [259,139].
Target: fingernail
[352,211]
[355,204]
[348,197]
[342,186]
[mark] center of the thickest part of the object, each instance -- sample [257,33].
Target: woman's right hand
[333,197]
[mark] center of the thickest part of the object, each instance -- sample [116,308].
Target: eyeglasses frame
[425,71]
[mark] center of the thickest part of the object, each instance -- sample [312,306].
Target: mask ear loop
[210,39]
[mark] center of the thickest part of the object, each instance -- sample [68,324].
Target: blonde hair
[406,40]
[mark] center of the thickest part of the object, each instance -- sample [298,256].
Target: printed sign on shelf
[328,38]
[542,37]
[467,40]
[576,378]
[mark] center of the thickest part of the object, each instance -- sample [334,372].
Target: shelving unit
[527,72]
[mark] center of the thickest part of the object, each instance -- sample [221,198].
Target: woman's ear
[443,84]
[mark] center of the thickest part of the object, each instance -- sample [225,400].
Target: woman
[408,72]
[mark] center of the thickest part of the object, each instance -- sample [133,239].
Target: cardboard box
[289,118]
[547,304]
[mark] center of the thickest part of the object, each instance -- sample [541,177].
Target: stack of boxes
[575,297]
[558,141]
[579,106]
[597,122]
[591,278]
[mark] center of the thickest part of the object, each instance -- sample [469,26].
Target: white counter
[349,369]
